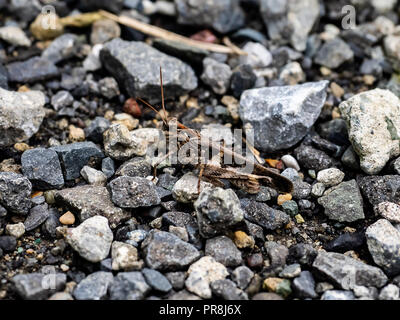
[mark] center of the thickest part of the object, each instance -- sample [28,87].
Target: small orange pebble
[67,218]
[283,198]
[37,194]
[23,89]
[30,251]
[21,146]
[272,162]
[279,165]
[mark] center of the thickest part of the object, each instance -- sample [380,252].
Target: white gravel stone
[15,36]
[202,273]
[185,189]
[91,239]
[330,177]
[124,257]
[373,122]
[16,230]
[389,211]
[93,176]
[290,162]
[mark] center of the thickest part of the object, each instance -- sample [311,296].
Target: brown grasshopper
[214,172]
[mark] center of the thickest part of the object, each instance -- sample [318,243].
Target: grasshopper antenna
[162,92]
[152,108]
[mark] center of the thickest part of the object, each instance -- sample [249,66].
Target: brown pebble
[67,218]
[132,107]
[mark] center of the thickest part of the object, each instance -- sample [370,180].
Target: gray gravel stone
[277,253]
[217,210]
[133,192]
[120,144]
[343,202]
[94,286]
[383,242]
[221,15]
[32,70]
[136,66]
[96,128]
[223,250]
[42,167]
[104,30]
[36,217]
[136,167]
[347,272]
[291,20]
[304,285]
[76,155]
[176,279]
[88,201]
[389,211]
[242,276]
[156,280]
[62,48]
[227,290]
[129,286]
[378,189]
[124,257]
[289,119]
[37,286]
[334,53]
[21,114]
[314,159]
[108,167]
[166,252]
[291,271]
[15,192]
[91,239]
[93,176]
[61,99]
[330,177]
[263,215]
[217,75]
[108,87]
[8,243]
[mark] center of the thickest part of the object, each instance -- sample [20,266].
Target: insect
[212,171]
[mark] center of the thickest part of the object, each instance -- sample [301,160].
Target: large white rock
[373,122]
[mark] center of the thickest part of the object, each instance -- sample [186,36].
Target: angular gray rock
[282,116]
[377,189]
[91,239]
[15,192]
[156,280]
[42,167]
[32,70]
[343,202]
[263,215]
[290,20]
[221,15]
[224,251]
[76,155]
[94,286]
[88,201]
[37,216]
[166,252]
[217,75]
[63,47]
[373,122]
[347,272]
[136,66]
[217,210]
[133,192]
[38,286]
[129,286]
[242,276]
[383,241]
[227,290]
[334,53]
[21,114]
[304,285]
